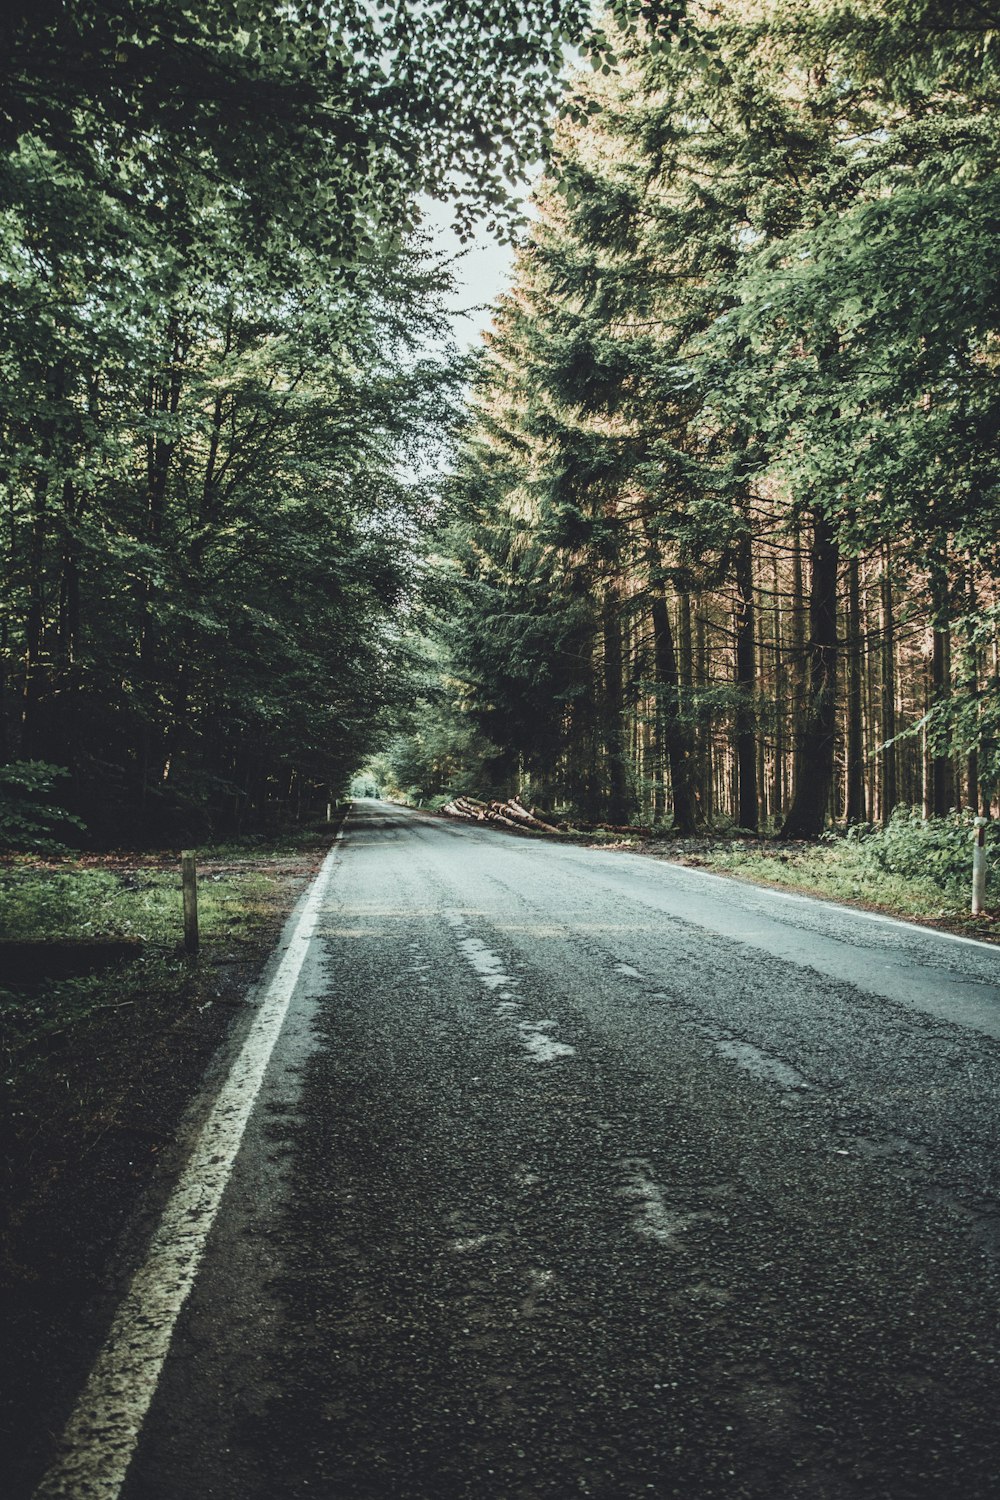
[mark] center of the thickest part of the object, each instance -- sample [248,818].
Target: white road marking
[762,1064]
[653,1219]
[486,963]
[541,1046]
[101,1436]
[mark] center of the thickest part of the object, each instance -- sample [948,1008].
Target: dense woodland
[718,543]
[214,329]
[724,529]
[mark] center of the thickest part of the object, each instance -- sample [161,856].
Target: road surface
[576,1173]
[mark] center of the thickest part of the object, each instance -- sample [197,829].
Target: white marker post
[979,867]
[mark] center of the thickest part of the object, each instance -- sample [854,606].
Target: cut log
[510,814]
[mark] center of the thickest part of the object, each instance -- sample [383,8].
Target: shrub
[937,849]
[28,819]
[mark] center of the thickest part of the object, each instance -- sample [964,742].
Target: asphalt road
[577,1173]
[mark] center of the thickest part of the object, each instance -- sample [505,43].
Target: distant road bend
[576,1173]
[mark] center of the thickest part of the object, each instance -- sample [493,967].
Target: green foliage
[762,274]
[28,819]
[31,1017]
[762,282]
[441,753]
[844,869]
[202,563]
[214,340]
[323,120]
[73,903]
[935,849]
[65,903]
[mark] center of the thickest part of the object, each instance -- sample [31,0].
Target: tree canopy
[214,331]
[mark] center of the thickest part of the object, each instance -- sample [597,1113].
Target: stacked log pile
[514,814]
[510,814]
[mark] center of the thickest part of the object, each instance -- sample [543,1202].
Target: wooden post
[979,868]
[189,885]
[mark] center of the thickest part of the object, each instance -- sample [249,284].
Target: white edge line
[101,1435]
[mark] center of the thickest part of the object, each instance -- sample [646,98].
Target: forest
[724,521]
[704,536]
[218,338]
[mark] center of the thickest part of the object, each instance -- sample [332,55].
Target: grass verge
[841,870]
[99,1063]
[129,906]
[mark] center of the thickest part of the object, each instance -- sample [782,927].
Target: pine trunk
[855,798]
[815,741]
[887,621]
[942,791]
[613,727]
[676,733]
[746,733]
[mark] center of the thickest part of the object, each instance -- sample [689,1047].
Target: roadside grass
[107,1029]
[72,903]
[839,872]
[843,870]
[77,906]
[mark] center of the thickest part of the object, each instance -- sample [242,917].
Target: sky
[483,272]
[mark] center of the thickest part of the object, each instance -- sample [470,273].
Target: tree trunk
[614,737]
[942,791]
[747,815]
[971,675]
[815,740]
[778,784]
[674,728]
[705,784]
[797,655]
[855,799]
[887,621]
[163,400]
[69,585]
[31,745]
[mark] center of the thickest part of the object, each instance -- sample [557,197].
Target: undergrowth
[35,1018]
[132,900]
[911,867]
[73,904]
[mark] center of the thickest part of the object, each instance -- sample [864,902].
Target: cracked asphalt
[580,1174]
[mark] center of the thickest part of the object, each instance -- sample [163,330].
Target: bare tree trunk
[797,664]
[30,737]
[746,730]
[926,759]
[705,750]
[613,728]
[676,732]
[778,788]
[887,622]
[815,742]
[855,799]
[942,771]
[971,675]
[869,706]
